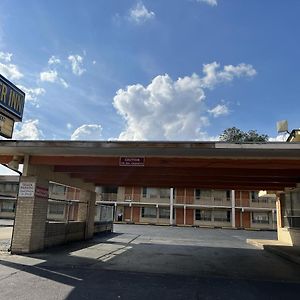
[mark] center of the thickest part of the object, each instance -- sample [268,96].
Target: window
[164,193]
[222,215]
[228,194]
[15,187]
[254,196]
[148,212]
[164,213]
[197,194]
[8,187]
[110,190]
[290,203]
[144,192]
[8,206]
[106,213]
[219,195]
[202,215]
[58,189]
[56,209]
[260,218]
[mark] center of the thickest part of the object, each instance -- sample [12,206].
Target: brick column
[86,211]
[31,215]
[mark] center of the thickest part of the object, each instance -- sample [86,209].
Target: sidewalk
[283,250]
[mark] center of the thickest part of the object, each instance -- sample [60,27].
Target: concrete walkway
[283,250]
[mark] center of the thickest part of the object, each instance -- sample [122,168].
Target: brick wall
[60,233]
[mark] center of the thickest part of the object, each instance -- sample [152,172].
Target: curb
[283,254]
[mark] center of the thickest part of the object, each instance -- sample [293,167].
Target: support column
[131,212]
[184,215]
[171,205]
[31,215]
[241,218]
[233,208]
[86,211]
[115,212]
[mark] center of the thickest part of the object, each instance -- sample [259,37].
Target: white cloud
[69,126]
[10,71]
[279,138]
[76,63]
[52,76]
[168,109]
[32,94]
[87,132]
[63,82]
[5,56]
[94,62]
[53,60]
[219,110]
[214,76]
[27,130]
[7,69]
[140,14]
[209,2]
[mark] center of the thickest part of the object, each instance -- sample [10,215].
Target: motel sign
[12,101]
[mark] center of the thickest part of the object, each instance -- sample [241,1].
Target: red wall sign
[132,161]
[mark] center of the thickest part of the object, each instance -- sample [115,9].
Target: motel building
[191,207]
[180,183]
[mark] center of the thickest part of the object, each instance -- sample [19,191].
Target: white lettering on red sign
[41,192]
[132,161]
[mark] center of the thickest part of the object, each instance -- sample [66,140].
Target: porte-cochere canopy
[216,165]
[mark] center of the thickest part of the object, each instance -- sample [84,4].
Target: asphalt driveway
[148,262]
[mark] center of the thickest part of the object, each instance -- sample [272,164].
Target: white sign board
[27,189]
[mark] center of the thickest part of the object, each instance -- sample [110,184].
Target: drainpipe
[233,208]
[171,205]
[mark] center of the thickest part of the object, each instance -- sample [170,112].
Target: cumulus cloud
[5,56]
[219,110]
[52,76]
[53,60]
[172,109]
[279,138]
[28,130]
[213,74]
[209,2]
[87,132]
[10,71]
[140,14]
[7,69]
[32,94]
[76,64]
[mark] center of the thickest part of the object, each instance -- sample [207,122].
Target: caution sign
[26,189]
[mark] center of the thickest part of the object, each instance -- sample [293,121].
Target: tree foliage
[236,135]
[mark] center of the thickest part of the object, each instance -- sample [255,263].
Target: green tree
[236,135]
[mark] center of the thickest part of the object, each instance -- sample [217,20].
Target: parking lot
[146,262]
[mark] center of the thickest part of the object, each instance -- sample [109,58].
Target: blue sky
[152,70]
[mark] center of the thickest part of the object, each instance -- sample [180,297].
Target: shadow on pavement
[117,266]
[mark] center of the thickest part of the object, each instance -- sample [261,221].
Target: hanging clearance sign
[12,100]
